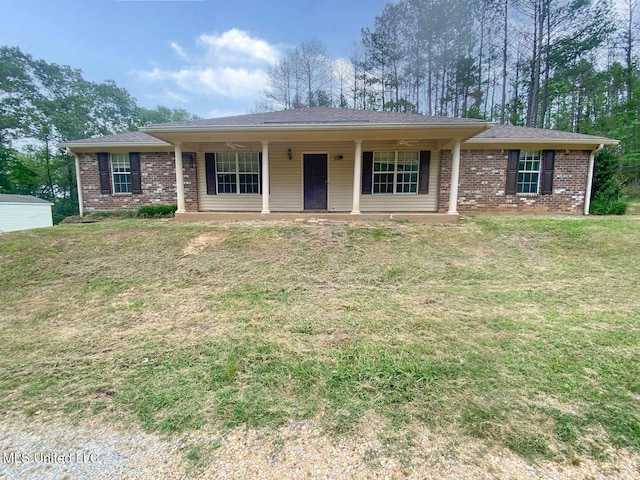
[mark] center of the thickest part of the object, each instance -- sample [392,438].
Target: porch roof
[317,116]
[309,124]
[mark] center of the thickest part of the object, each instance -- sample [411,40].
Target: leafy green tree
[403,105]
[41,100]
[386,48]
[607,193]
[321,99]
[160,114]
[42,104]
[16,176]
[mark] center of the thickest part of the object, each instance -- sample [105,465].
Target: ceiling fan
[233,146]
[405,143]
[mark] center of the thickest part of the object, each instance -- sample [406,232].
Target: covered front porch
[374,169]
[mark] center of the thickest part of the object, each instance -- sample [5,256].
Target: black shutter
[103,167]
[367,172]
[210,172]
[512,171]
[134,165]
[548,160]
[260,172]
[423,180]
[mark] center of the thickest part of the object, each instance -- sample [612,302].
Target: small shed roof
[22,199]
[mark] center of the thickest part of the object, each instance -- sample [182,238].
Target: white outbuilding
[23,212]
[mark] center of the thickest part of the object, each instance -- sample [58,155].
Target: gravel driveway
[37,448]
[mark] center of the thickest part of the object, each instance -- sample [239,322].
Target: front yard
[523,331]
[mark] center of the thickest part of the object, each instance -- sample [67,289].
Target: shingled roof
[322,115]
[513,132]
[123,139]
[337,116]
[22,199]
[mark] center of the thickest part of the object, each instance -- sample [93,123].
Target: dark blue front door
[315,181]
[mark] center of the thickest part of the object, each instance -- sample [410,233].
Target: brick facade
[158,178]
[483,177]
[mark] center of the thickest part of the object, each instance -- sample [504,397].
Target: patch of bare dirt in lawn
[300,449]
[198,244]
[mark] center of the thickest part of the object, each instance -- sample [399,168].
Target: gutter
[27,203]
[77,145]
[587,193]
[539,141]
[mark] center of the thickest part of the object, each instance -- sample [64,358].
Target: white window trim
[113,174]
[537,192]
[395,175]
[237,174]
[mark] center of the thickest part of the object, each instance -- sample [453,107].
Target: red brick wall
[483,177]
[157,171]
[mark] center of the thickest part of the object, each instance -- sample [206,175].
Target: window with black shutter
[530,172]
[395,172]
[233,172]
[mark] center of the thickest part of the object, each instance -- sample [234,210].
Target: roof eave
[546,141]
[298,132]
[27,203]
[75,146]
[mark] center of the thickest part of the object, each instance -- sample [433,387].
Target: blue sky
[207,56]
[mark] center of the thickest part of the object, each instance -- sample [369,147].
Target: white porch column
[265,177]
[179,179]
[455,177]
[78,182]
[357,178]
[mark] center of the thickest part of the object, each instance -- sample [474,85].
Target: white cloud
[179,50]
[232,65]
[342,67]
[236,43]
[230,82]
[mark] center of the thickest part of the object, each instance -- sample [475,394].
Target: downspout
[587,193]
[78,182]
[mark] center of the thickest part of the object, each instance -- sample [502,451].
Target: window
[395,172]
[528,172]
[121,172]
[238,172]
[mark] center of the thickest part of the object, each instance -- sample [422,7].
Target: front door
[315,181]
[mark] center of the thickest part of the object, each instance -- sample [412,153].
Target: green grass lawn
[523,331]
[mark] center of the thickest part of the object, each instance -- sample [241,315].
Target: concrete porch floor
[306,216]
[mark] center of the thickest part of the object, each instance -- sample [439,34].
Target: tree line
[43,104]
[570,65]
